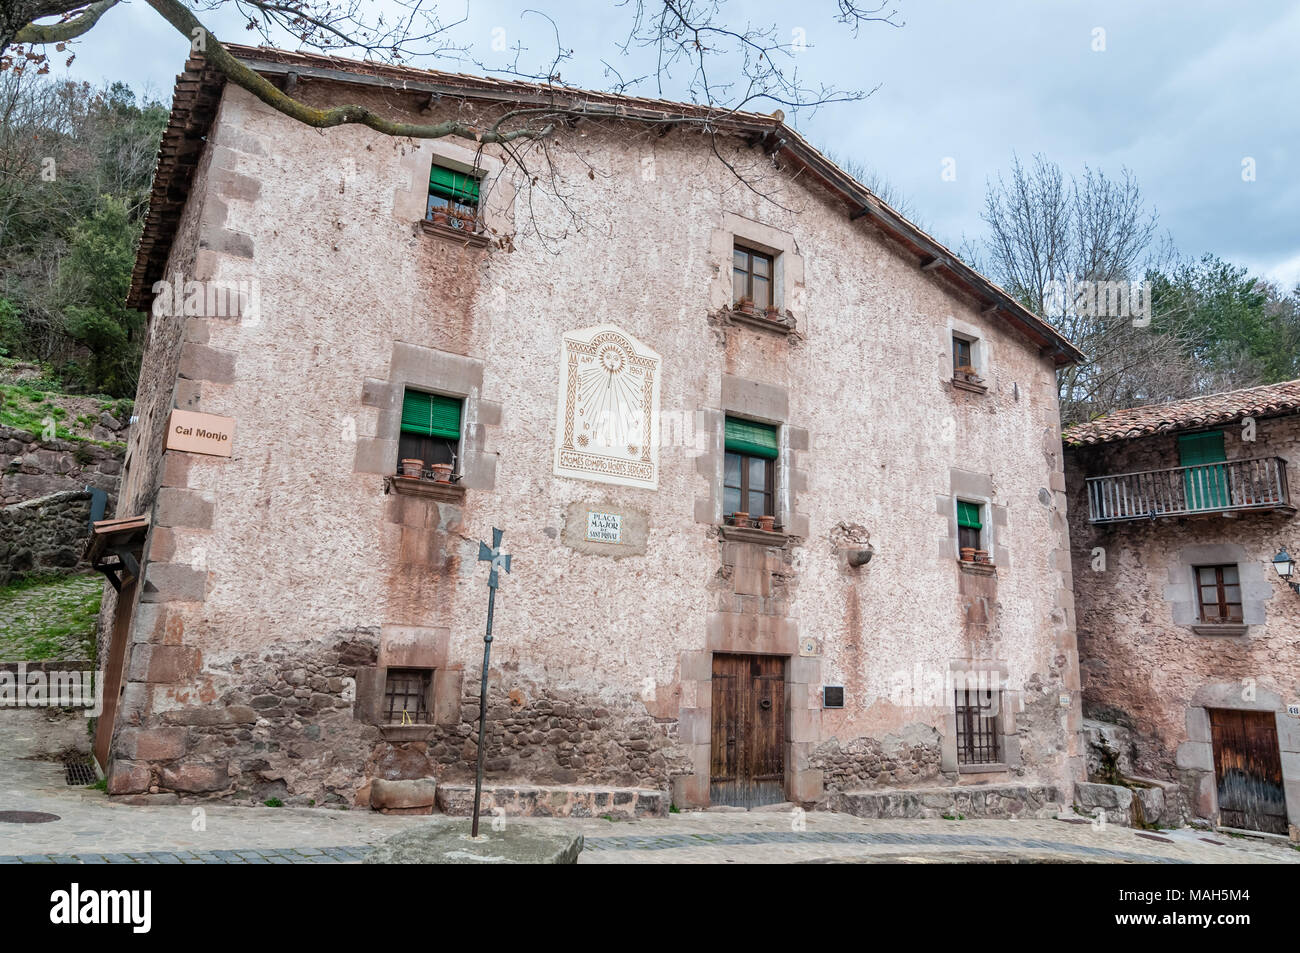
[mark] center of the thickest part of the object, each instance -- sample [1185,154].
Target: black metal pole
[482,710]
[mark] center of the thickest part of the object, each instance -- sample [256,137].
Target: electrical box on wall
[832,696]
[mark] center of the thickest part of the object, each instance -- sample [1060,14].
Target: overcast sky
[1182,93]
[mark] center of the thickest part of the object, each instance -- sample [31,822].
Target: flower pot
[968,554]
[767,523]
[412,469]
[745,304]
[982,557]
[440,216]
[773,313]
[441,472]
[740,518]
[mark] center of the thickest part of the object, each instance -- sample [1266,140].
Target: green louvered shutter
[968,515]
[431,415]
[1205,488]
[755,439]
[460,186]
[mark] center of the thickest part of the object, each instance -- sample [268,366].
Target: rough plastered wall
[1143,664]
[286,578]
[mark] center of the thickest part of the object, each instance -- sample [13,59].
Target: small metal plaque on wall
[604,527]
[832,696]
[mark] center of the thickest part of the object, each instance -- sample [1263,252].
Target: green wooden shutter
[460,186]
[968,515]
[1206,488]
[755,439]
[431,415]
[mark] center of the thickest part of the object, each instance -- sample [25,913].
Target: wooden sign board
[200,433]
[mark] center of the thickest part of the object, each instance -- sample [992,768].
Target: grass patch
[273,802]
[49,618]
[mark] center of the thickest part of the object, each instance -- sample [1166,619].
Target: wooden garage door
[748,743]
[1248,770]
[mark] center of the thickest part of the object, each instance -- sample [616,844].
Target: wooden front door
[1248,769]
[748,744]
[112,687]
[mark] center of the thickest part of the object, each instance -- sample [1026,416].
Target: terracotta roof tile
[1269,400]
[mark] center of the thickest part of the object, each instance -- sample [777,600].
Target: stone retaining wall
[31,467]
[44,535]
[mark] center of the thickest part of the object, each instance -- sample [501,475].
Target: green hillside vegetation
[50,618]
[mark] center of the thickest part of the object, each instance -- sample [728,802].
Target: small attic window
[453,198]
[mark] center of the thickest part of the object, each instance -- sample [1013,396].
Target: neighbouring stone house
[1180,514]
[609,379]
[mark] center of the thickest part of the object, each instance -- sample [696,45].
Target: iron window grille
[977,726]
[406,696]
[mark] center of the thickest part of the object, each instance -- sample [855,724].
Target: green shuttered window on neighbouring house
[459,186]
[431,415]
[968,515]
[749,437]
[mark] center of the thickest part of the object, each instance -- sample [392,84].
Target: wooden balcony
[1236,486]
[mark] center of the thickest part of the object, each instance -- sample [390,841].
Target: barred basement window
[406,696]
[977,726]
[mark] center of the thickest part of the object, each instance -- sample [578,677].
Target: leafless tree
[1059,244]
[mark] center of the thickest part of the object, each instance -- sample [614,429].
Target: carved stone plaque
[607,426]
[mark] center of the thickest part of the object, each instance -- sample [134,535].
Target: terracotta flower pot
[740,518]
[441,472]
[767,523]
[968,554]
[412,468]
[773,313]
[440,216]
[745,304]
[982,557]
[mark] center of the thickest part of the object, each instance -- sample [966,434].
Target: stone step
[991,801]
[524,800]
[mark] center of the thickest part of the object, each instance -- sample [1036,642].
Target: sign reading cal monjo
[608,415]
[200,433]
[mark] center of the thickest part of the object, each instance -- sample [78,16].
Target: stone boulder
[448,842]
[415,796]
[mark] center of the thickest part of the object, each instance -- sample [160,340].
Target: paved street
[93,829]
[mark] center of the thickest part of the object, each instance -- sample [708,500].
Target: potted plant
[746,303]
[439,215]
[968,554]
[441,472]
[773,313]
[463,219]
[412,468]
[982,557]
[740,518]
[767,523]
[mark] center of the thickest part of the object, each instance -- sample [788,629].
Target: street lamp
[1285,566]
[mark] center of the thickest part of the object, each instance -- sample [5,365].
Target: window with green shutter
[970,525]
[749,469]
[751,437]
[430,428]
[431,415]
[453,197]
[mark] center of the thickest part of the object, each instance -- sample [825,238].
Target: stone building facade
[600,373]
[1187,632]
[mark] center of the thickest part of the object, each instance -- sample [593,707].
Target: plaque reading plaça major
[200,433]
[604,527]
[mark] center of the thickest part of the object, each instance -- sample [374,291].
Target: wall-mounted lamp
[1285,566]
[860,557]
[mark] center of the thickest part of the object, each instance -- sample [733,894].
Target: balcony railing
[1255,484]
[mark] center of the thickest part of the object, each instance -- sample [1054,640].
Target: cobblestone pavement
[95,829]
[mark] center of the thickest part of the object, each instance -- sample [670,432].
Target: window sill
[748,534]
[1220,628]
[962,384]
[477,239]
[780,323]
[997,767]
[977,569]
[413,486]
[407,732]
